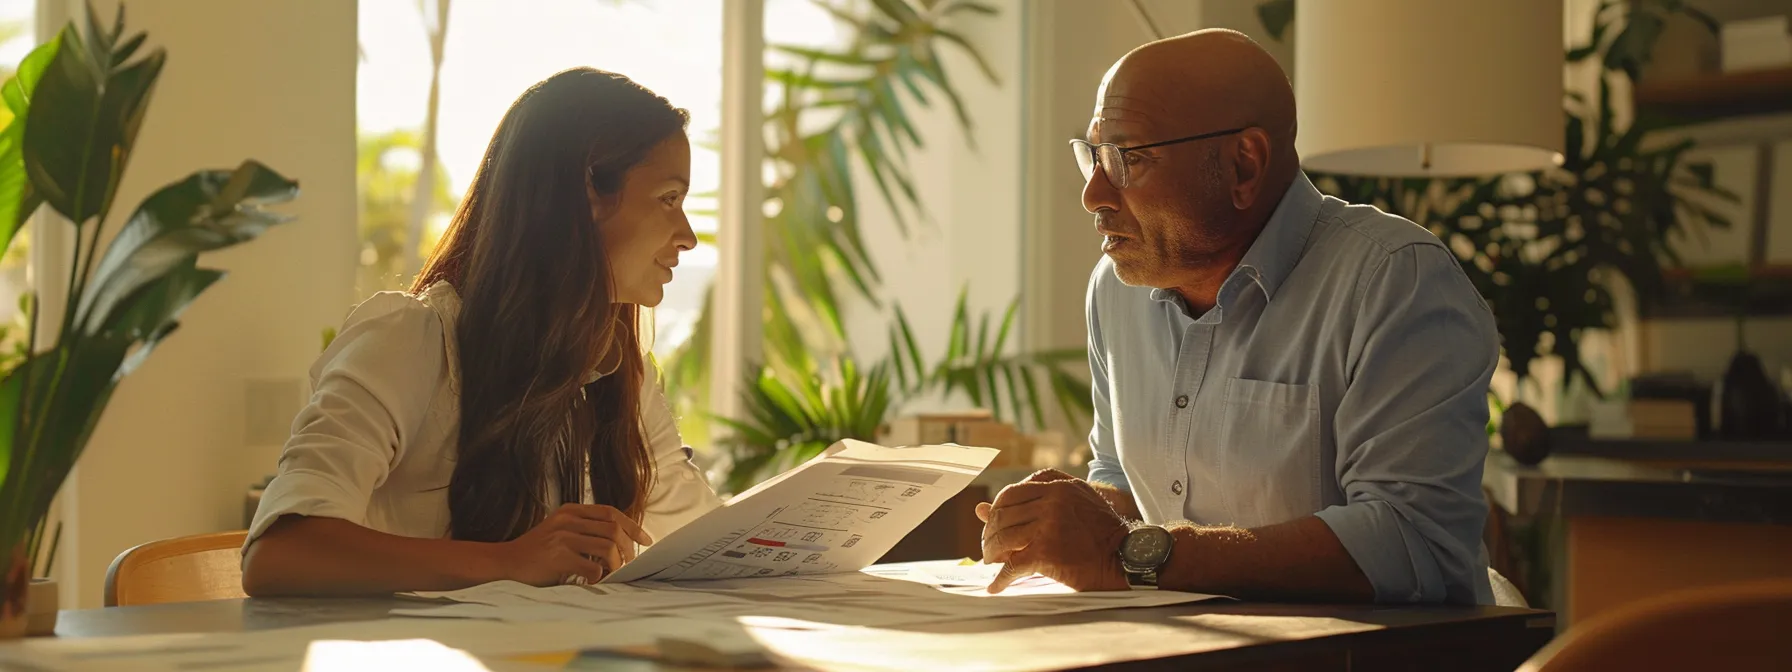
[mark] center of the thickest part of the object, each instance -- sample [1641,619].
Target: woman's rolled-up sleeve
[371,392]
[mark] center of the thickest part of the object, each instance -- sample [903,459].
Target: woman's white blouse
[377,443]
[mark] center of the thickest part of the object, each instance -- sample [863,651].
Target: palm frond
[791,420]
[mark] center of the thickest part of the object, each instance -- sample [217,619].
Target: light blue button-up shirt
[1342,374]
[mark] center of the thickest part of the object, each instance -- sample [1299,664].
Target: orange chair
[183,569]
[1733,627]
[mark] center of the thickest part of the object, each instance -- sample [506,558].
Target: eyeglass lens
[1107,156]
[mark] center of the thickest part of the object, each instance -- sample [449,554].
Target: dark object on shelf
[1524,434]
[1786,415]
[1750,406]
[1717,96]
[1677,387]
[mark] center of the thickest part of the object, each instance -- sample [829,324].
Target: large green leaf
[148,315]
[1632,49]
[83,124]
[209,210]
[59,396]
[898,10]
[843,58]
[18,198]
[11,393]
[989,71]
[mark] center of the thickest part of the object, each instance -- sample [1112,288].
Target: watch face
[1146,546]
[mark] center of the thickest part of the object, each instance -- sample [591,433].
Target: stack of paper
[888,595]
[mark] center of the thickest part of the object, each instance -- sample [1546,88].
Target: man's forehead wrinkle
[1121,97]
[1117,113]
[1133,102]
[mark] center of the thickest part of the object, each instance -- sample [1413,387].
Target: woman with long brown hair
[500,420]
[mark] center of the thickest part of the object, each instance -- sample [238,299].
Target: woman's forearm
[309,556]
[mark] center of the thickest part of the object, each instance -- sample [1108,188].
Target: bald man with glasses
[1290,390]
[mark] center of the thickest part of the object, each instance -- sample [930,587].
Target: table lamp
[1423,88]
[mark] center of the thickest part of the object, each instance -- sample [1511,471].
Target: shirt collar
[1277,248]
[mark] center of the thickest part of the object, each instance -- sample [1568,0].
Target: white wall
[274,81]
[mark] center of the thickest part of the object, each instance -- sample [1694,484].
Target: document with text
[839,512]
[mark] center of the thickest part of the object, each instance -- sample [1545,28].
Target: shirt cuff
[304,493]
[1106,475]
[1393,555]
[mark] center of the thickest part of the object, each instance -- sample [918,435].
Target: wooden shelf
[1767,293]
[1574,441]
[1718,96]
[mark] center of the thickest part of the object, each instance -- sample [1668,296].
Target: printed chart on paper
[837,513]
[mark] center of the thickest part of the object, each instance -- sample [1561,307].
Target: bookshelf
[1716,96]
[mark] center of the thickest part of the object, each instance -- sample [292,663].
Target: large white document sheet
[839,512]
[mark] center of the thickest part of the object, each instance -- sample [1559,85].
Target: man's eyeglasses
[1112,158]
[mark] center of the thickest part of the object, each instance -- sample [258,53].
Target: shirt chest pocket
[1269,454]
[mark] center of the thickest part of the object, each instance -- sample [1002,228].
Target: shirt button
[1176,487]
[1182,401]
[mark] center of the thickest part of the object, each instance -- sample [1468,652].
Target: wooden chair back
[1737,626]
[183,569]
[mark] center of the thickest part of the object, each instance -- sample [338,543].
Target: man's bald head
[1206,126]
[1207,80]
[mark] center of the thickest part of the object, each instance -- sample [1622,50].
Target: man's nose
[1098,193]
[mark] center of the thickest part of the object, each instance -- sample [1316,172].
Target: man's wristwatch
[1144,551]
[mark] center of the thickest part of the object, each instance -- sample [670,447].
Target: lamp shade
[1438,88]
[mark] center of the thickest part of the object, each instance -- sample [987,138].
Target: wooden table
[1641,528]
[1220,635]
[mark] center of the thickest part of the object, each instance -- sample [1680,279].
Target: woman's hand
[586,540]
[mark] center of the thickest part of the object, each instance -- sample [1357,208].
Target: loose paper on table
[790,551]
[791,555]
[879,596]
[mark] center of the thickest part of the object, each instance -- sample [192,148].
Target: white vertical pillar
[173,435]
[737,327]
[46,272]
[1043,134]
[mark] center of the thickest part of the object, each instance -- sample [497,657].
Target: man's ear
[1250,162]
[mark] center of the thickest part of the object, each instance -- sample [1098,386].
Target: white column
[738,324]
[272,81]
[46,271]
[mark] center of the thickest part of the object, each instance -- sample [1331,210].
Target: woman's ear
[601,206]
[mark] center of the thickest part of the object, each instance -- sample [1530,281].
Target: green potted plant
[77,103]
[792,418]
